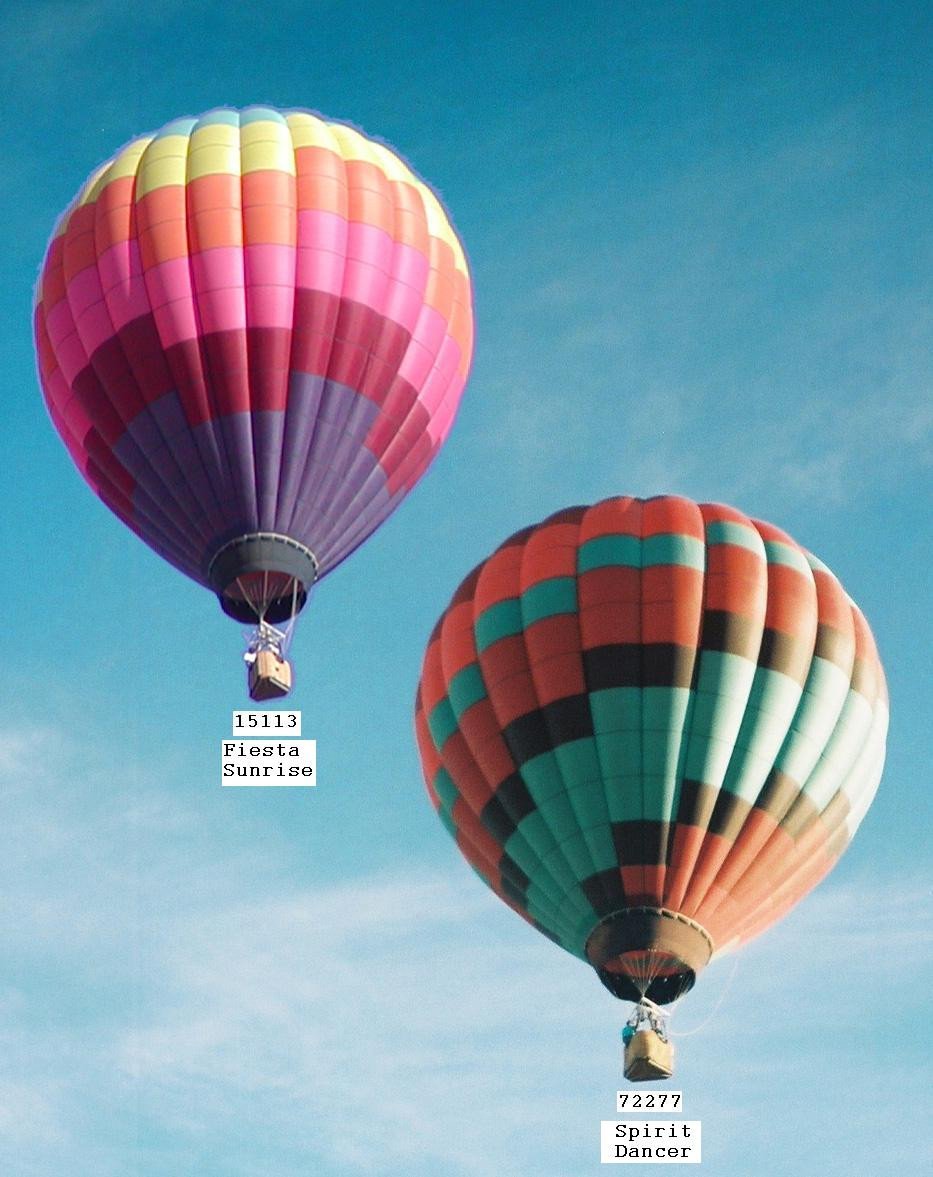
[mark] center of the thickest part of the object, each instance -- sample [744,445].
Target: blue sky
[700,245]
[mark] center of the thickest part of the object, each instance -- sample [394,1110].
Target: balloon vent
[648,952]
[262,576]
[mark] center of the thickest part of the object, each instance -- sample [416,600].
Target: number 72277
[649,1101]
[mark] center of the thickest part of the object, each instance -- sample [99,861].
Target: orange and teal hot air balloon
[253,331]
[652,726]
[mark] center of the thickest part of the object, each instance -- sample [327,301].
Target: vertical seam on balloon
[378,476]
[607,899]
[843,774]
[330,486]
[670,824]
[693,906]
[687,728]
[308,483]
[284,511]
[534,686]
[147,408]
[225,472]
[561,927]
[556,923]
[735,755]
[215,419]
[162,527]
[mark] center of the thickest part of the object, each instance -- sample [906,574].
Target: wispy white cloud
[406,1021]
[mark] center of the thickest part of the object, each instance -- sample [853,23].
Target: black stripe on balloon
[696,804]
[515,882]
[728,816]
[631,664]
[638,843]
[786,653]
[778,794]
[731,633]
[545,728]
[604,891]
[510,803]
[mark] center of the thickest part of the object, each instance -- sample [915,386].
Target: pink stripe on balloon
[409,265]
[270,306]
[322,230]
[83,290]
[123,283]
[72,358]
[222,310]
[218,269]
[370,244]
[365,284]
[402,304]
[59,323]
[168,281]
[269,265]
[319,269]
[73,414]
[322,245]
[175,322]
[425,342]
[95,326]
[441,423]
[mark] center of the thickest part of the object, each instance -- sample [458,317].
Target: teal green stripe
[548,598]
[446,789]
[685,550]
[543,777]
[779,553]
[501,620]
[606,551]
[466,688]
[442,723]
[740,535]
[448,822]
[818,566]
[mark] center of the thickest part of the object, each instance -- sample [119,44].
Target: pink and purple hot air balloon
[253,331]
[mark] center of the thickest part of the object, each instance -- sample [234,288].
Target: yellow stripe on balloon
[266,146]
[440,227]
[164,162]
[309,131]
[213,150]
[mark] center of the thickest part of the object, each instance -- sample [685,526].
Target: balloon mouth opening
[648,952]
[262,576]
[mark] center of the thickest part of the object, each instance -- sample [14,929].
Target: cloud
[170,995]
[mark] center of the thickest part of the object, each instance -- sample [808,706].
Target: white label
[649,1103]
[649,1142]
[268,762]
[266,723]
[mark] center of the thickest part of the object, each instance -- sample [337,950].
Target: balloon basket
[269,676]
[648,1056]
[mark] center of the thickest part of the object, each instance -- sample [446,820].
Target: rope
[712,1013]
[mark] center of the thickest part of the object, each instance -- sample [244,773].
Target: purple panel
[240,507]
[268,437]
[335,416]
[304,398]
[159,450]
[373,508]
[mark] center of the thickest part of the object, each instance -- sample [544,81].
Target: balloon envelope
[651,727]
[253,331]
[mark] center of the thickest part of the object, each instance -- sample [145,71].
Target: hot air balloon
[253,330]
[652,726]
